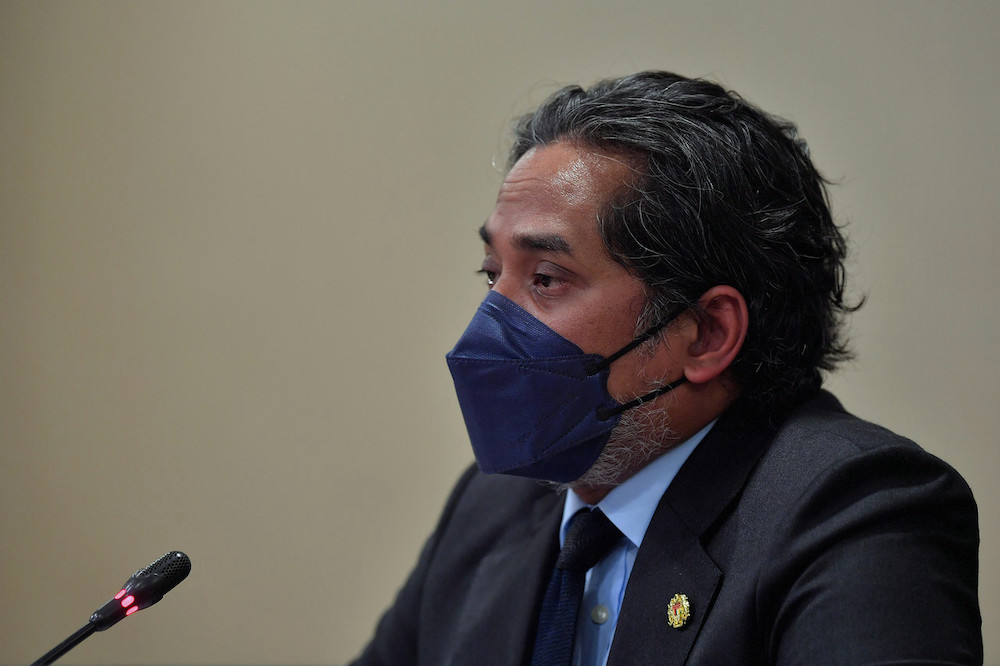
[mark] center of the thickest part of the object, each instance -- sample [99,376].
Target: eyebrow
[537,242]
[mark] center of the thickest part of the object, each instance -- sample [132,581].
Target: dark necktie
[591,536]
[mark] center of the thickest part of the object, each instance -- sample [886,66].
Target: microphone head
[143,589]
[162,575]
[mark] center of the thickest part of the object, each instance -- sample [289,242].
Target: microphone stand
[66,645]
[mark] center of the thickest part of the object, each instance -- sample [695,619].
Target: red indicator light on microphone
[127,601]
[131,610]
[120,594]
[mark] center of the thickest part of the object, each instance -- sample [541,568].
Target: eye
[547,283]
[491,276]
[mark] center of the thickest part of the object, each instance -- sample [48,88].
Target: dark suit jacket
[825,540]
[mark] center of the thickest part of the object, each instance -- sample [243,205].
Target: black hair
[724,193]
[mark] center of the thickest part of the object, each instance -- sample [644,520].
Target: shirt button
[600,614]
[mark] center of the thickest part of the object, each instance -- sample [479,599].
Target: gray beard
[641,434]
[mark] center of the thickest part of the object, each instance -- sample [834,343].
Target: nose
[502,286]
[516,291]
[508,288]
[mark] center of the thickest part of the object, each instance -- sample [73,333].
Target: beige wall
[238,238]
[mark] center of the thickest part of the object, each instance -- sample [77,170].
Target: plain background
[237,239]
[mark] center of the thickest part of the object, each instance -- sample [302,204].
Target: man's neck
[592,494]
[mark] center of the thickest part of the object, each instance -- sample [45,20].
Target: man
[666,284]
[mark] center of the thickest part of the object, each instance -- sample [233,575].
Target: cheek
[590,327]
[610,324]
[625,379]
[596,330]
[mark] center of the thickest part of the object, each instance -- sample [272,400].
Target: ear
[721,322]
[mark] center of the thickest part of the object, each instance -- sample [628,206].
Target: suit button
[599,614]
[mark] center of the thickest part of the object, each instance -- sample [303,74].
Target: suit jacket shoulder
[825,540]
[475,594]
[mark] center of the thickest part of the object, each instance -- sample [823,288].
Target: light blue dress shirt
[630,507]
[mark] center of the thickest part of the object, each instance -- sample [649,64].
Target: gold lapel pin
[678,611]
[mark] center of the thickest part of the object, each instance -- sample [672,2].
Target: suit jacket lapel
[672,559]
[664,567]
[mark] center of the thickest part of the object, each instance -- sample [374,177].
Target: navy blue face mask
[534,404]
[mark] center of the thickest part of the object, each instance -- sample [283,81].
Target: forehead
[567,173]
[560,187]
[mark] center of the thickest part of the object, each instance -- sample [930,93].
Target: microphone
[142,590]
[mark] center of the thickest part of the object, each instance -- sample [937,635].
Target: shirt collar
[631,505]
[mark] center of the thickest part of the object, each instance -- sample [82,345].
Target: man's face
[545,253]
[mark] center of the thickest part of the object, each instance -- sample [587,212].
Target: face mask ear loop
[605,414]
[594,368]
